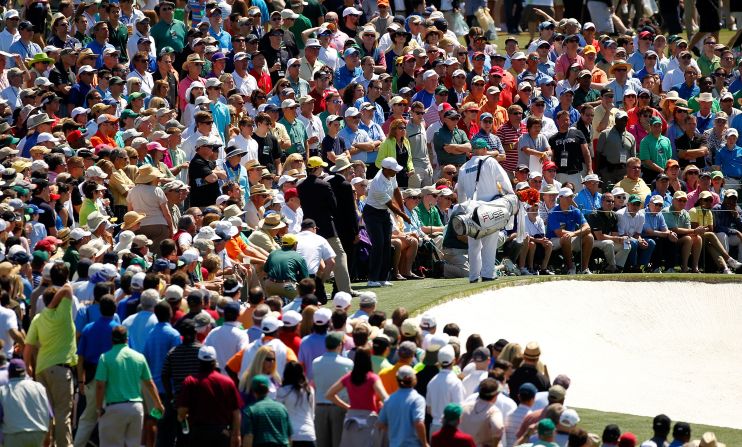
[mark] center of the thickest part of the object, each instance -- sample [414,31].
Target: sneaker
[510,267]
[727,272]
[733,264]
[524,272]
[546,272]
[572,271]
[671,270]
[373,284]
[473,281]
[657,270]
[387,284]
[586,272]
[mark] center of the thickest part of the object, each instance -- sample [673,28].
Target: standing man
[210,404]
[484,175]
[419,149]
[169,32]
[403,414]
[26,409]
[615,146]
[50,348]
[320,204]
[346,222]
[570,152]
[328,369]
[445,388]
[295,128]
[481,418]
[267,421]
[121,375]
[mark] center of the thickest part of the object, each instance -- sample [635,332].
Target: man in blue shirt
[589,198]
[568,230]
[729,157]
[351,70]
[313,345]
[162,338]
[427,94]
[223,39]
[95,339]
[24,45]
[100,42]
[688,89]
[403,414]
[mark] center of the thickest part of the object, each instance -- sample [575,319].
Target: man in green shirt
[121,374]
[451,143]
[169,32]
[294,127]
[284,268]
[427,212]
[296,23]
[50,352]
[654,150]
[708,61]
[268,421]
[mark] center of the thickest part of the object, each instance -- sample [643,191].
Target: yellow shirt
[637,187]
[53,332]
[700,216]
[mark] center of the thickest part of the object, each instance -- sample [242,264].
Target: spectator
[26,409]
[403,415]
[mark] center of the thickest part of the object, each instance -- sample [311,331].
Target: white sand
[640,348]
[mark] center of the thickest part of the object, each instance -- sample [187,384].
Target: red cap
[627,439]
[100,147]
[290,194]
[54,196]
[74,135]
[408,57]
[644,34]
[496,70]
[45,245]
[549,165]
[444,107]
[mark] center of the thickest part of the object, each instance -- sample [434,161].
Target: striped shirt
[181,362]
[509,137]
[512,424]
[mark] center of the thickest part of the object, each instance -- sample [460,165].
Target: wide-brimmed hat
[132,218]
[125,239]
[192,59]
[619,64]
[146,174]
[233,151]
[37,120]
[341,164]
[272,222]
[96,219]
[39,57]
[259,189]
[232,211]
[672,95]
[709,440]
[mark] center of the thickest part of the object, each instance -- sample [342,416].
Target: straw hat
[125,239]
[232,211]
[272,222]
[146,174]
[709,440]
[532,352]
[132,218]
[341,164]
[618,64]
[192,59]
[257,190]
[672,95]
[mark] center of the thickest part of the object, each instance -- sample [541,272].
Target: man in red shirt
[209,404]
[289,333]
[449,435]
[107,127]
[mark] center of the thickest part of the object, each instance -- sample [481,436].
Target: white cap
[351,11]
[39,166]
[629,91]
[342,300]
[437,341]
[285,178]
[42,82]
[202,100]
[429,74]
[85,69]
[95,171]
[78,233]
[207,353]
[352,111]
[617,191]
[621,114]
[458,72]
[270,324]
[588,25]
[79,111]
[46,137]
[213,82]
[518,55]
[11,13]
[731,131]
[569,418]
[174,293]
[137,281]
[291,318]
[446,355]
[427,321]
[391,163]
[322,316]
[566,192]
[533,174]
[191,255]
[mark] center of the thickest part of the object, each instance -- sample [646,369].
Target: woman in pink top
[365,393]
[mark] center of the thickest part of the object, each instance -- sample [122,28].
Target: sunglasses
[516,113]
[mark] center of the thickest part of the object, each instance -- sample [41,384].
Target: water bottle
[156,414]
[184,427]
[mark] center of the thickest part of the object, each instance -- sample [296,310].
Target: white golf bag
[484,218]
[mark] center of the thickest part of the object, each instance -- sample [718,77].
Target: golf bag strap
[479,172]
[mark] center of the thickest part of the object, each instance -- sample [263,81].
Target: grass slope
[416,296]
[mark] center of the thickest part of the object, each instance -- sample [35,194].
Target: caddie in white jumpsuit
[493,183]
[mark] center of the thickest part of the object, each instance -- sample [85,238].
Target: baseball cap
[270,324]
[207,353]
[545,427]
[291,318]
[342,300]
[446,355]
[322,316]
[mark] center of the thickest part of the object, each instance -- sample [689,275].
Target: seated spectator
[631,225]
[568,230]
[678,221]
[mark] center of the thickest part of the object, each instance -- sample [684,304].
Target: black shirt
[268,150]
[48,217]
[570,144]
[61,77]
[604,221]
[202,192]
[684,142]
[335,145]
[527,374]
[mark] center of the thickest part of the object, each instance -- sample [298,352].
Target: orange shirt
[236,249]
[480,102]
[99,139]
[499,114]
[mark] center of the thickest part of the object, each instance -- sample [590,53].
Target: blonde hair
[256,368]
[305,327]
[513,353]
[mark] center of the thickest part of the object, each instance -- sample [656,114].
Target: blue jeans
[640,256]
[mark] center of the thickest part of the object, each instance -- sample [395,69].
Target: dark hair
[59,274]
[377,318]
[48,296]
[107,306]
[102,289]
[306,286]
[88,189]
[577,438]
[151,281]
[275,302]
[361,366]
[179,279]
[293,375]
[452,329]
[473,342]
[361,335]
[255,296]
[338,319]
[399,315]
[119,335]
[559,114]
[164,312]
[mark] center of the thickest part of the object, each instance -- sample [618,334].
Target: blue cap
[33,209]
[351,51]
[545,80]
[232,306]
[143,40]
[110,102]
[565,91]
[546,24]
[527,391]
[485,115]
[162,264]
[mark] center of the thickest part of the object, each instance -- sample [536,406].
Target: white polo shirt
[313,248]
[443,389]
[227,339]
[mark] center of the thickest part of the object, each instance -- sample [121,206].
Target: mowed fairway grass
[416,296]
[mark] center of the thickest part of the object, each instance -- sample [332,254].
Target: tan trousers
[286,289]
[25,439]
[712,244]
[121,425]
[342,277]
[89,418]
[59,388]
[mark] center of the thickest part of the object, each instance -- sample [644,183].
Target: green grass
[416,296]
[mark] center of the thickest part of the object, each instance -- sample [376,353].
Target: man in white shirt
[141,30]
[9,332]
[12,93]
[527,395]
[317,252]
[244,82]
[229,338]
[10,34]
[444,388]
[312,124]
[477,370]
[291,210]
[245,140]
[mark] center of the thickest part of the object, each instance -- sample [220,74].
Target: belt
[124,402]
[322,404]
[279,280]
[64,365]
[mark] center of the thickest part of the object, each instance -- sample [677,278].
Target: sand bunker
[641,348]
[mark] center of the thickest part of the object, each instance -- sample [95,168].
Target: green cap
[655,120]
[136,95]
[479,143]
[333,340]
[140,262]
[8,140]
[545,427]
[452,412]
[635,199]
[21,190]
[128,113]
[716,174]
[40,255]
[441,89]
[260,383]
